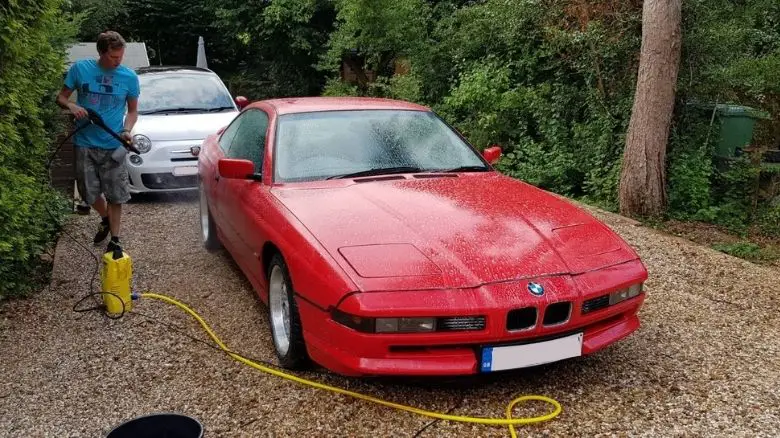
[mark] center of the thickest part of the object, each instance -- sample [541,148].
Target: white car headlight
[142,143]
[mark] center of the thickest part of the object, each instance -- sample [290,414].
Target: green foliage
[274,46]
[769,220]
[376,31]
[690,165]
[336,87]
[96,16]
[170,28]
[33,35]
[748,251]
[555,96]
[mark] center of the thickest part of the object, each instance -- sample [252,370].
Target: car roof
[315,104]
[172,68]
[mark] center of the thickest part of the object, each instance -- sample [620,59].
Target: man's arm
[132,114]
[132,107]
[62,101]
[130,118]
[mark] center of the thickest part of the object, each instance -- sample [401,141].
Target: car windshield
[333,144]
[162,92]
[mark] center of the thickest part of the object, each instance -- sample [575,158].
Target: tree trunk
[643,175]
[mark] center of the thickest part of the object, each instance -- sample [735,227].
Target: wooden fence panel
[63,166]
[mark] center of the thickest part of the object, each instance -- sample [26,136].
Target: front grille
[168,181]
[594,304]
[557,313]
[520,319]
[460,323]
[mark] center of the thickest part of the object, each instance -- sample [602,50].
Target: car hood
[451,232]
[167,127]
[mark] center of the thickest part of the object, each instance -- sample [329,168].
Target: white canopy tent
[201,62]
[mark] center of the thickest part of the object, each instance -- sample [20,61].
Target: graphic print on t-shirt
[103,98]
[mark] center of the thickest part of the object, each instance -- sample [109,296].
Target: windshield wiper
[462,169]
[171,110]
[378,171]
[220,108]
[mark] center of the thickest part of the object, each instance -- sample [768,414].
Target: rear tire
[207,226]
[283,317]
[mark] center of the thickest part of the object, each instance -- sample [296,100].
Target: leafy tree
[96,16]
[370,34]
[171,29]
[278,44]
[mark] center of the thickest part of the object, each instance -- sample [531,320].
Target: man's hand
[77,111]
[64,102]
[126,136]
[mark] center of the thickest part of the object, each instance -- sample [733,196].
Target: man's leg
[88,182]
[115,185]
[115,218]
[100,206]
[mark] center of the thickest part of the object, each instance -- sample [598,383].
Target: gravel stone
[705,362]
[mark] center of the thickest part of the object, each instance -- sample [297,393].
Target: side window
[249,142]
[229,134]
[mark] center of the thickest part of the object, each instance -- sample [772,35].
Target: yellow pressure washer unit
[116,277]
[117,272]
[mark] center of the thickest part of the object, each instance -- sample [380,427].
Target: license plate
[186,170]
[528,355]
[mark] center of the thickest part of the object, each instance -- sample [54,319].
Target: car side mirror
[242,102]
[492,154]
[232,168]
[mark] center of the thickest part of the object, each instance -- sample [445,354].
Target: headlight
[142,143]
[409,324]
[405,325]
[624,294]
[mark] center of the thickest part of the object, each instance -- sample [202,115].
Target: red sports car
[383,243]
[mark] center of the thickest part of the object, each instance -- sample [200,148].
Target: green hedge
[33,35]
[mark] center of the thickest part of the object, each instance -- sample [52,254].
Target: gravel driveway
[706,361]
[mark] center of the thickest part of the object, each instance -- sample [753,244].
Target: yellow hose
[508,421]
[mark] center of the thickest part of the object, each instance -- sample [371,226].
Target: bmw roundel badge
[536,289]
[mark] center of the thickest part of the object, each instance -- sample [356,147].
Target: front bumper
[350,352]
[168,167]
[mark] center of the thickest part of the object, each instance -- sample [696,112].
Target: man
[108,88]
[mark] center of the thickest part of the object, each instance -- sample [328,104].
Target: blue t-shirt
[106,92]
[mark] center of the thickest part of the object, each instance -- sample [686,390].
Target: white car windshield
[338,144]
[182,92]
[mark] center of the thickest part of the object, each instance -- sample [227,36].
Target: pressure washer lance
[117,273]
[95,119]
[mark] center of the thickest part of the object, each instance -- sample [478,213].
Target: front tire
[283,317]
[207,226]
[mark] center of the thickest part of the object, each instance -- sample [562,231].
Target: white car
[179,106]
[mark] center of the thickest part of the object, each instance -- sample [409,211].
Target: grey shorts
[97,173]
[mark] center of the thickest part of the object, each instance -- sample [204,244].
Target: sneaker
[116,248]
[103,230]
